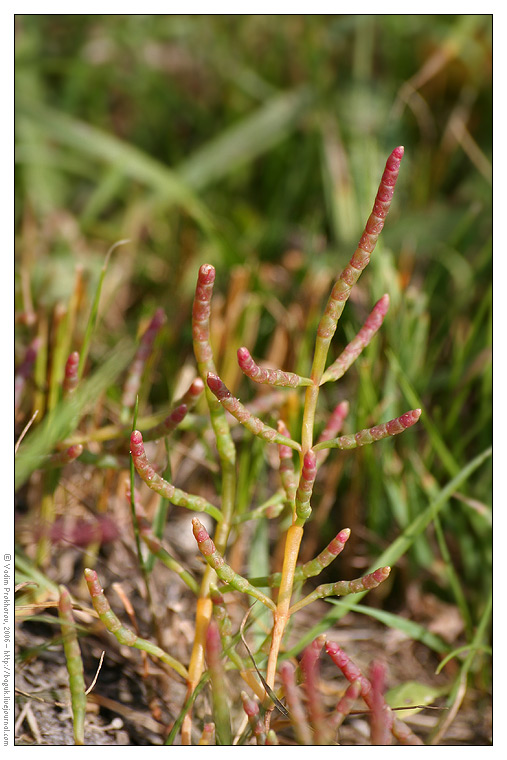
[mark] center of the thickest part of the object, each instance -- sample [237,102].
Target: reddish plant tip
[399,151]
[344,535]
[197,387]
[200,532]
[136,437]
[179,413]
[217,386]
[410,418]
[243,354]
[206,274]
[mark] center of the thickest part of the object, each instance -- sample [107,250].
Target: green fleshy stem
[152,479]
[241,413]
[224,571]
[74,664]
[120,632]
[370,435]
[343,588]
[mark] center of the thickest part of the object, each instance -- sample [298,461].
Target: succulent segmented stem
[120,632]
[309,666]
[287,473]
[225,628]
[155,546]
[74,664]
[370,435]
[345,705]
[343,286]
[305,487]
[241,413]
[314,566]
[271,738]
[297,713]
[168,425]
[251,709]
[25,369]
[71,377]
[365,248]
[274,377]
[62,458]
[356,346]
[133,380]
[221,710]
[335,421]
[352,673]
[227,453]
[270,509]
[192,395]
[152,479]
[343,588]
[381,717]
[223,570]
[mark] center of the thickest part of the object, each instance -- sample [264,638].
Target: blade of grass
[92,320]
[66,415]
[244,141]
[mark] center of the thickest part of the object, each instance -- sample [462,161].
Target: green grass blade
[107,148]
[94,313]
[243,142]
[67,413]
[412,630]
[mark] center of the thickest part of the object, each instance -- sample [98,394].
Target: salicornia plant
[297,483]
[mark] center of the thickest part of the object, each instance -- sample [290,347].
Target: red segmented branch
[122,634]
[62,458]
[297,713]
[287,473]
[241,413]
[381,717]
[25,369]
[133,380]
[155,546]
[361,257]
[200,315]
[71,376]
[344,588]
[333,427]
[274,377]
[191,396]
[345,704]
[352,673]
[356,346]
[314,566]
[370,435]
[251,709]
[74,664]
[309,666]
[147,473]
[168,425]
[305,487]
[222,569]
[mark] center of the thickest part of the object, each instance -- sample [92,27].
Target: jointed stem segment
[147,473]
[122,634]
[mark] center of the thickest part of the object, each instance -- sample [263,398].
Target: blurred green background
[256,143]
